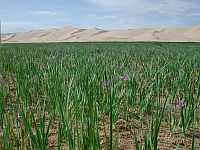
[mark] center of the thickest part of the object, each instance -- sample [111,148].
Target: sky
[27,15]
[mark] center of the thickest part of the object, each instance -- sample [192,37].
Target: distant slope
[71,34]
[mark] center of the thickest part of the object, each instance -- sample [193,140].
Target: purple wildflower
[180,104]
[42,67]
[183,103]
[106,82]
[177,104]
[126,77]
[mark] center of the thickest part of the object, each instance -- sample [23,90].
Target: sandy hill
[71,34]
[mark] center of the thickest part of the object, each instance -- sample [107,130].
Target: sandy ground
[72,34]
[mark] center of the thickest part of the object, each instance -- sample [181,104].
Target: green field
[90,96]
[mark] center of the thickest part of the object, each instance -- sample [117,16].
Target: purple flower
[106,82]
[126,77]
[42,67]
[180,104]
[177,104]
[183,103]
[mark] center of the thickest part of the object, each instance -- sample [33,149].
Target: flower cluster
[126,77]
[180,104]
[106,82]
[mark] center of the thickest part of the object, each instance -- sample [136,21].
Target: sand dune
[71,34]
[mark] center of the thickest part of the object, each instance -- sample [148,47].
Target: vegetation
[115,95]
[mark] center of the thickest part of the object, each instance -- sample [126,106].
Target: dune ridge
[73,34]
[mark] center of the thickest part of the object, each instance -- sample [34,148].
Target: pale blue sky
[25,15]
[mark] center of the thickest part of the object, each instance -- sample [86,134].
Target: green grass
[78,91]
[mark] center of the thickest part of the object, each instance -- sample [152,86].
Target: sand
[73,34]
